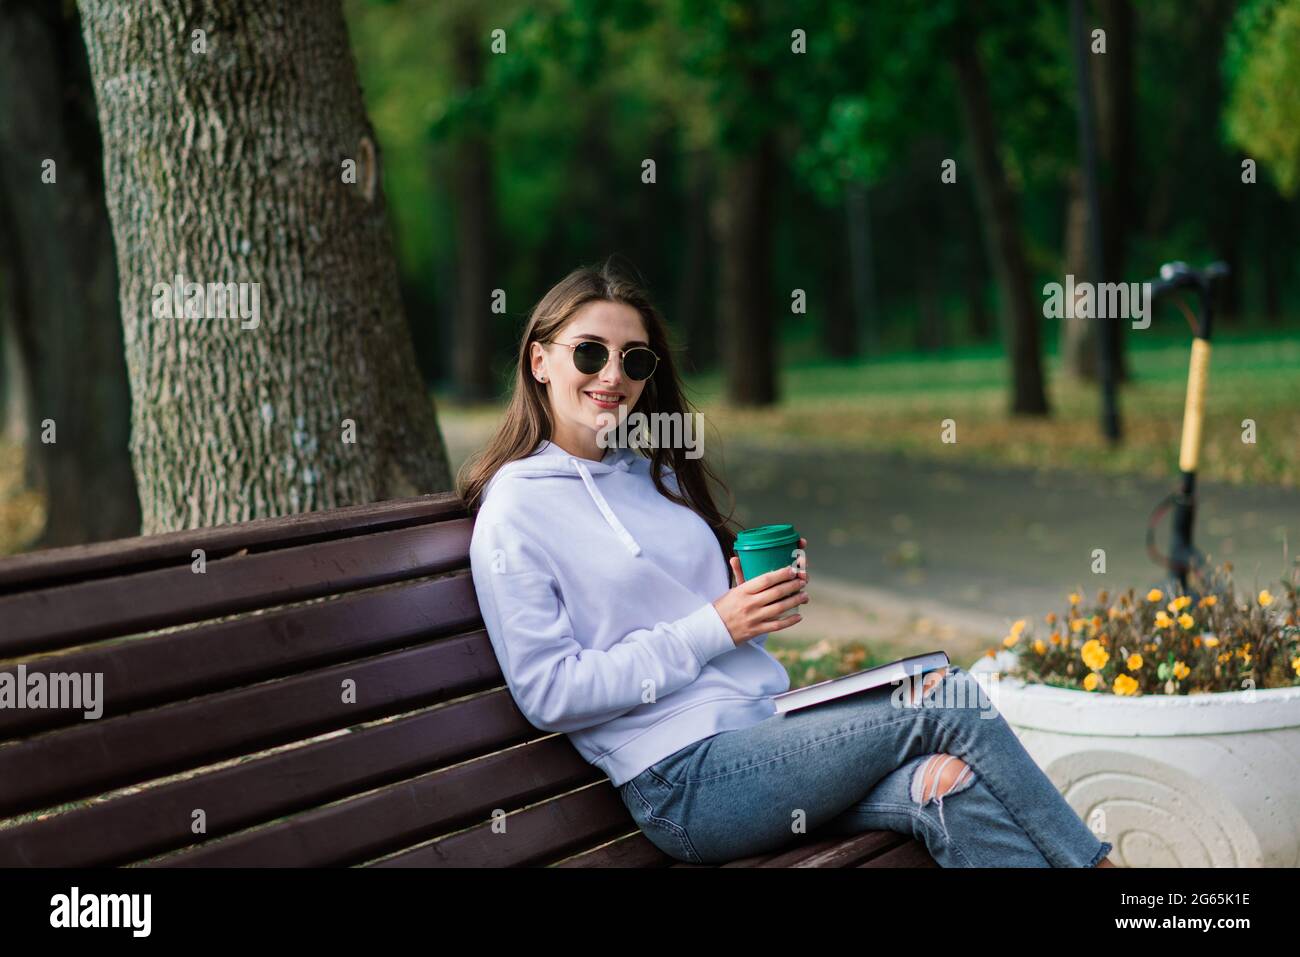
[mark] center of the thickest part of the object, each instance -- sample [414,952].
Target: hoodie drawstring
[624,535]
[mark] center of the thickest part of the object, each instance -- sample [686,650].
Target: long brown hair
[528,419]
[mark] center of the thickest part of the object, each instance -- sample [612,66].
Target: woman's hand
[753,608]
[801,563]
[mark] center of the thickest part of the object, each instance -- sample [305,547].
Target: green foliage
[1263,69]
[589,89]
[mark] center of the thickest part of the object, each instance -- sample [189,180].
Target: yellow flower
[1155,594]
[1186,621]
[1018,627]
[1179,603]
[1076,624]
[1096,621]
[1010,640]
[1295,663]
[1211,641]
[1112,612]
[1075,598]
[1056,638]
[1039,646]
[1265,599]
[1134,662]
[1050,618]
[1207,601]
[1163,620]
[1181,670]
[1090,681]
[1125,685]
[1094,655]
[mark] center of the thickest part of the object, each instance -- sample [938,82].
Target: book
[832,688]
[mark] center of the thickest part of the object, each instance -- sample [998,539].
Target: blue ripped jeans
[856,764]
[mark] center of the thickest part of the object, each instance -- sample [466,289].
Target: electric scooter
[1185,562]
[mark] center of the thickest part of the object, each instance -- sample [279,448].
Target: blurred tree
[230,133]
[474,193]
[63,339]
[736,50]
[1262,65]
[1114,74]
[1001,222]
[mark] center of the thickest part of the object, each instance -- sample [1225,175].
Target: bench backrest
[322,693]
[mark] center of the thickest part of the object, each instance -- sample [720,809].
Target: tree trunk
[693,300]
[862,267]
[16,392]
[834,304]
[744,228]
[1078,333]
[230,166]
[1116,96]
[475,199]
[1020,318]
[61,283]
[975,273]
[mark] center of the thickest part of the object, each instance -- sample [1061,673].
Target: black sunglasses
[589,357]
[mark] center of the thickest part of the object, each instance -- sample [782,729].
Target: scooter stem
[1182,553]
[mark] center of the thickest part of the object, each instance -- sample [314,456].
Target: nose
[612,373]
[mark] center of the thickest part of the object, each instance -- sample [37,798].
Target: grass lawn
[899,404]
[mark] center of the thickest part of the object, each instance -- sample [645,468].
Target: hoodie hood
[548,460]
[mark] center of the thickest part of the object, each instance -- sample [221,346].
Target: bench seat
[322,693]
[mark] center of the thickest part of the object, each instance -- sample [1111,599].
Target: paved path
[918,549]
[998,541]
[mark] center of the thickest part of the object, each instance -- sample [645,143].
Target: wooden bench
[227,737]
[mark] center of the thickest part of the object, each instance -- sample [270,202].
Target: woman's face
[576,417]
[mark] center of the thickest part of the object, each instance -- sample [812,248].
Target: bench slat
[211,657]
[838,851]
[910,853]
[535,836]
[634,850]
[112,607]
[125,556]
[96,756]
[418,809]
[158,818]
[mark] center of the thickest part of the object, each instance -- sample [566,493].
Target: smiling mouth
[606,400]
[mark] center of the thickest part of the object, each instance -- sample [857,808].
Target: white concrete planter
[1206,780]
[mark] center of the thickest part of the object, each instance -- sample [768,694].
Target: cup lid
[766,536]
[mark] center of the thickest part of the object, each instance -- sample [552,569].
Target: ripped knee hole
[941,775]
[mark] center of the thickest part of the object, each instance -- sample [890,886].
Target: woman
[599,575]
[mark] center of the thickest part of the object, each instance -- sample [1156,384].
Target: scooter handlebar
[1179,275]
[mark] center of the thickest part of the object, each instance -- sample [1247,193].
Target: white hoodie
[597,593]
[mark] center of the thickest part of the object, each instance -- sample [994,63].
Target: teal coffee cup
[766,548]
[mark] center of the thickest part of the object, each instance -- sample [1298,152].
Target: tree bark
[475,198]
[862,270]
[744,228]
[228,166]
[1116,96]
[693,299]
[1002,232]
[60,282]
[1078,333]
